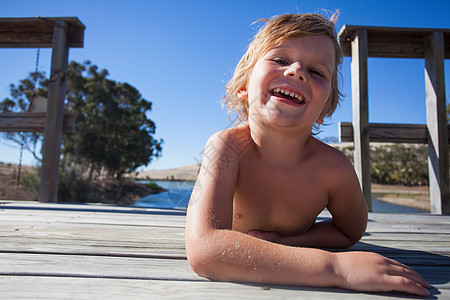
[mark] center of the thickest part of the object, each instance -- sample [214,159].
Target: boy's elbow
[353,239]
[201,258]
[350,238]
[345,243]
[198,264]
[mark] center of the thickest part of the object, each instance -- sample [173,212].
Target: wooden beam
[38,32]
[437,123]
[32,122]
[389,133]
[48,189]
[395,42]
[360,101]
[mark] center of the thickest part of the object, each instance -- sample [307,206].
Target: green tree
[113,134]
[21,96]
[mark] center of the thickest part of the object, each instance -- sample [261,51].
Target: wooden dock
[75,251]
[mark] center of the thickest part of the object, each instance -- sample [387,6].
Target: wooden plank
[360,104]
[96,230]
[105,288]
[390,133]
[76,251]
[32,122]
[96,266]
[396,42]
[48,189]
[437,124]
[47,287]
[167,270]
[89,213]
[102,241]
[38,32]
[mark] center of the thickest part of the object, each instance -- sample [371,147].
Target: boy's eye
[281,61]
[316,72]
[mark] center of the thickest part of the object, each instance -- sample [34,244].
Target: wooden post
[437,124]
[360,102]
[48,190]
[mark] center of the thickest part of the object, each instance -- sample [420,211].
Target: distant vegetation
[397,164]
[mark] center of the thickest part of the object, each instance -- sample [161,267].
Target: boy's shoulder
[325,148]
[331,156]
[336,170]
[235,139]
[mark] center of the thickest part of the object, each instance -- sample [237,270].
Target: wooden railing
[60,34]
[32,122]
[431,44]
[390,133]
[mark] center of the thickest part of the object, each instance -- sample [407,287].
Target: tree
[21,96]
[113,131]
[113,134]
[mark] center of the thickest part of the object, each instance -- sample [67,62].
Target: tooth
[282,91]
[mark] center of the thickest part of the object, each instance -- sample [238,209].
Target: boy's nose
[296,70]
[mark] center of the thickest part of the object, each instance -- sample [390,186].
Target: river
[179,192]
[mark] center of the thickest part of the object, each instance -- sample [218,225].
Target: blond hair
[275,31]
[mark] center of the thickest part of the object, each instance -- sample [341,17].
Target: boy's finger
[403,284]
[408,272]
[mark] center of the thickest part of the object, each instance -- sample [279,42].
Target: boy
[252,213]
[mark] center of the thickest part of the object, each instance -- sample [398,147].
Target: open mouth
[289,96]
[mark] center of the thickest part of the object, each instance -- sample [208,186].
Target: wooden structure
[60,34]
[361,42]
[65,251]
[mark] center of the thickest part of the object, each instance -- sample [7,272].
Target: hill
[186,173]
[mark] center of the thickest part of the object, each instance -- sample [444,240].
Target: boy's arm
[217,252]
[346,205]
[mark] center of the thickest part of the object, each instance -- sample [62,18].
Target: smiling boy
[252,215]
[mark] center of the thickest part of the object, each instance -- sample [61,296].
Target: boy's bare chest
[276,200]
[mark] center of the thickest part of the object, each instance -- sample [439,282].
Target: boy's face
[291,83]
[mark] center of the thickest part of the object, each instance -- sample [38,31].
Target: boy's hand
[366,271]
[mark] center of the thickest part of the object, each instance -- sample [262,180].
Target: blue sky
[180,54]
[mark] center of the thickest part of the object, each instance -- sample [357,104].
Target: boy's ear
[242,93]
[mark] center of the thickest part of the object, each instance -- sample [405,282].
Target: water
[179,192]
[384,207]
[177,195]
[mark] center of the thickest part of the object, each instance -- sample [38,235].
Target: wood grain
[66,251]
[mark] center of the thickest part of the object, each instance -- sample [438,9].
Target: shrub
[73,186]
[397,164]
[30,181]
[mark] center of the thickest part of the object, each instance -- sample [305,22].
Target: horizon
[180,54]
